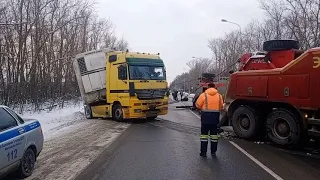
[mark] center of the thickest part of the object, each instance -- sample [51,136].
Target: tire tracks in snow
[67,154]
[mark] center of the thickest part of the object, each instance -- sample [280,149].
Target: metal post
[240,31]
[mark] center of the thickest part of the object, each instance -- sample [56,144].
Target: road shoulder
[66,155]
[102,160]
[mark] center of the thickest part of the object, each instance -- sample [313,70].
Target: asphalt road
[169,149]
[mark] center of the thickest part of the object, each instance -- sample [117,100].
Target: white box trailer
[90,70]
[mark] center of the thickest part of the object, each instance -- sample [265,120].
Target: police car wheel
[27,163]
[117,112]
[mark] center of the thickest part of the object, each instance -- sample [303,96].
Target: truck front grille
[144,94]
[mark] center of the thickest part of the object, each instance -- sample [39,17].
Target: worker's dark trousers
[209,131]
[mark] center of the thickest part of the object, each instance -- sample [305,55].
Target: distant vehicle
[21,142]
[122,85]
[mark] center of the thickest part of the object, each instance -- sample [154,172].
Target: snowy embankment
[58,119]
[71,141]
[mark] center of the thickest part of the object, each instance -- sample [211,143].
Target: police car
[21,141]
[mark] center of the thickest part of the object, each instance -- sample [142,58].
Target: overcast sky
[177,29]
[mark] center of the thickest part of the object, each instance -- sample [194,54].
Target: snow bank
[58,118]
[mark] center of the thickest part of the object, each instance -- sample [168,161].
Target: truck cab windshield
[147,73]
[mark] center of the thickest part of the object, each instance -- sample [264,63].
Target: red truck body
[276,93]
[297,83]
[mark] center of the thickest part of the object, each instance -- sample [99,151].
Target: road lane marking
[195,114]
[273,174]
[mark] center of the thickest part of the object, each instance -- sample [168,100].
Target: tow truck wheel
[283,127]
[27,163]
[87,111]
[246,122]
[117,112]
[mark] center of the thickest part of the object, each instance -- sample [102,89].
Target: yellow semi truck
[121,84]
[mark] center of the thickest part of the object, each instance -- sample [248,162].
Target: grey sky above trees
[177,29]
[284,19]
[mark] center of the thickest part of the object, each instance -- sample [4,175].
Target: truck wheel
[88,112]
[27,165]
[283,128]
[246,122]
[224,120]
[117,112]
[278,45]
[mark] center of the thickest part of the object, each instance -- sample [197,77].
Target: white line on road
[256,161]
[273,174]
[195,114]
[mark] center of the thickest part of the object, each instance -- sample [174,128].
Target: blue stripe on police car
[16,131]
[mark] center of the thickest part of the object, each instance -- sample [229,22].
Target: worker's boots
[203,154]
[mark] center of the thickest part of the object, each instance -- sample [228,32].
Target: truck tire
[88,111]
[117,113]
[279,45]
[246,122]
[283,128]
[224,120]
[27,164]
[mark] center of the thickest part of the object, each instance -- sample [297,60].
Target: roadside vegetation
[37,42]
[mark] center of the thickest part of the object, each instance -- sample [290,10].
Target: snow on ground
[58,118]
[71,141]
[75,147]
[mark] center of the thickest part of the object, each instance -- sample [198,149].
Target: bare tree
[37,44]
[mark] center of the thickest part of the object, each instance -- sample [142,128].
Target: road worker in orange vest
[210,103]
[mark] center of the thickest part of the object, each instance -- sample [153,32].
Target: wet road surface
[169,149]
[150,151]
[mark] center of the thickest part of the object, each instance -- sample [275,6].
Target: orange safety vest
[210,101]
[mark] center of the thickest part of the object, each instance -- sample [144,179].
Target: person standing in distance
[181,94]
[210,103]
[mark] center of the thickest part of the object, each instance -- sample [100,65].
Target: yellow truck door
[123,84]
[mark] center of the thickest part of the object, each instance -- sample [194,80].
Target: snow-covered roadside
[58,119]
[71,141]
[74,148]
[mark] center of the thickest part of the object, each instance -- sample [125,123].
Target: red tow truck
[276,93]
